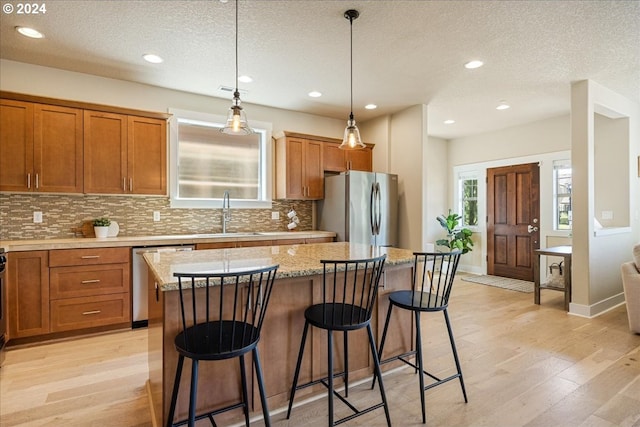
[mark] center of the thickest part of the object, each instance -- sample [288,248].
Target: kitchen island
[298,285]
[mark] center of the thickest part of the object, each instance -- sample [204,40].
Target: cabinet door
[16,145]
[58,158]
[28,293]
[334,158]
[105,153]
[295,168]
[314,175]
[147,156]
[360,160]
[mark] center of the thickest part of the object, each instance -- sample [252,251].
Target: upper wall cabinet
[124,154]
[50,145]
[337,160]
[40,147]
[301,161]
[299,171]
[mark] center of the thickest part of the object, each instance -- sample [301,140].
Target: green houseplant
[101,226]
[458,238]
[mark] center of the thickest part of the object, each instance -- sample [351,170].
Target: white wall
[54,83]
[597,254]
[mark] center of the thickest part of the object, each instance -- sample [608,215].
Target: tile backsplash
[61,214]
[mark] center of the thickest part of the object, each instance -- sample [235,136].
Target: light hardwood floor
[523,364]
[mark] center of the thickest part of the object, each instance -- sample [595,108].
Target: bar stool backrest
[351,288]
[226,312]
[433,276]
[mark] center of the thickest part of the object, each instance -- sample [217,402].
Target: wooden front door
[513,220]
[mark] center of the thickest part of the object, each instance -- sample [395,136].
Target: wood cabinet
[53,145]
[89,288]
[299,173]
[337,160]
[124,154]
[41,148]
[28,293]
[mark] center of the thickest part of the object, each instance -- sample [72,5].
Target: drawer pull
[90,256]
[84,282]
[91,312]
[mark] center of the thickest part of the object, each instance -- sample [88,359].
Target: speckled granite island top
[294,260]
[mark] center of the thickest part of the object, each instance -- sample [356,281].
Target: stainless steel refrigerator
[361,207]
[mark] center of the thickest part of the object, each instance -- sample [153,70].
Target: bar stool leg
[420,365]
[346,365]
[455,354]
[263,394]
[298,365]
[378,373]
[174,394]
[384,337]
[194,391]
[330,368]
[245,398]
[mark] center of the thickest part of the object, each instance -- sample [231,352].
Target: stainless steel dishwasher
[140,314]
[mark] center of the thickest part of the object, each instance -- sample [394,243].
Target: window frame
[557,165]
[265,166]
[461,178]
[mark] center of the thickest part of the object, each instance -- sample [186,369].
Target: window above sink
[203,163]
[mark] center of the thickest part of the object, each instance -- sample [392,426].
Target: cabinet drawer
[80,281]
[88,312]
[62,257]
[251,243]
[319,240]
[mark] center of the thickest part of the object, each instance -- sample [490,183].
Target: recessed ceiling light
[315,94]
[503,106]
[154,59]
[30,32]
[449,122]
[245,79]
[473,64]
[371,106]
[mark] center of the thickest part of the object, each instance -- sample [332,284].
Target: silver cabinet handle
[84,282]
[90,256]
[86,313]
[28,180]
[130,184]
[124,184]
[37,182]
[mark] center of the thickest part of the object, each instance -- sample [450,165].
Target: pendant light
[351,139]
[236,118]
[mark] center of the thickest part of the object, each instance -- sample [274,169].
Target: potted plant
[101,226]
[457,238]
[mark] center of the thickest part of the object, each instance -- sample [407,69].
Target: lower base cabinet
[68,290]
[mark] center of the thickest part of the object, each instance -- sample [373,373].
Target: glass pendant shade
[351,139]
[236,119]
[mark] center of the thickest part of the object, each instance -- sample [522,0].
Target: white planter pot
[101,232]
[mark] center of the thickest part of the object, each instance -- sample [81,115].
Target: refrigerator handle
[378,209]
[372,207]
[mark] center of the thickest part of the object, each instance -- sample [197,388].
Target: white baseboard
[598,308]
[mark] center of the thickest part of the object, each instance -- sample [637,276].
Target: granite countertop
[294,260]
[178,239]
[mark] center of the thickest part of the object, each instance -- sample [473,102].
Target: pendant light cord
[351,62]
[237,91]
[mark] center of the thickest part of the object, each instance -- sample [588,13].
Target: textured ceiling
[405,52]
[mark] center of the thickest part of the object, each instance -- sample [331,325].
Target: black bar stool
[348,298]
[221,320]
[433,275]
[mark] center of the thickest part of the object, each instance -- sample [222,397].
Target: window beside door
[468,200]
[562,194]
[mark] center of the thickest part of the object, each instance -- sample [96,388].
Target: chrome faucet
[226,210]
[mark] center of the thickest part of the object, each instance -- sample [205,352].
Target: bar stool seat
[349,292]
